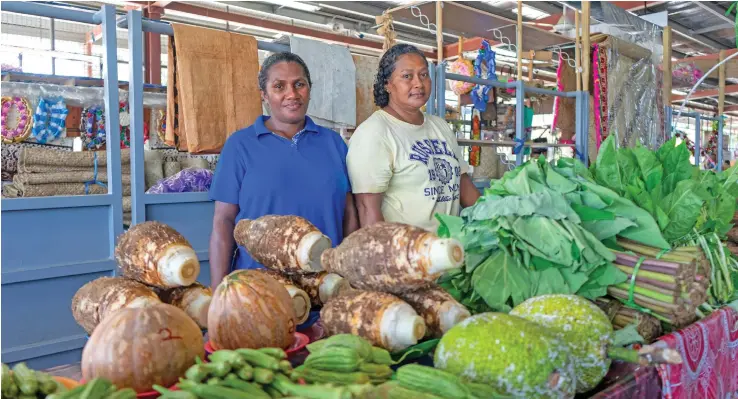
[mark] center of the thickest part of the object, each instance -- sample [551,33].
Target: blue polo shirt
[266,174]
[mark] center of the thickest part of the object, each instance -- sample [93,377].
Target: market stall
[560,281]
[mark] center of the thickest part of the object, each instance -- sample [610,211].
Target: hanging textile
[484,68]
[559,87]
[50,119]
[215,90]
[599,70]
[463,67]
[333,95]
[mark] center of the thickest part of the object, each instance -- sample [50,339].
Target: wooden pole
[439,30]
[586,59]
[577,50]
[530,65]
[721,83]
[519,39]
[666,66]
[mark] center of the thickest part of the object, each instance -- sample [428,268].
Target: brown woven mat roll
[171,168]
[22,179]
[126,170]
[42,156]
[51,190]
[127,204]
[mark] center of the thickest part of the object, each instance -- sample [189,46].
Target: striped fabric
[49,120]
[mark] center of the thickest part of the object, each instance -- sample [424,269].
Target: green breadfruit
[511,354]
[579,323]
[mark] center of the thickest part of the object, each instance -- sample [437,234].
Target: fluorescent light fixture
[296,5]
[530,12]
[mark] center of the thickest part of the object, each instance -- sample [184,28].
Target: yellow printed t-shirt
[418,168]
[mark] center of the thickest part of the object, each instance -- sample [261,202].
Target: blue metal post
[135,102]
[441,90]
[668,120]
[720,144]
[578,128]
[697,139]
[112,122]
[520,120]
[430,107]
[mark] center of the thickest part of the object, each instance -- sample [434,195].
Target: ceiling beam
[730,89]
[715,10]
[714,56]
[732,108]
[713,28]
[277,26]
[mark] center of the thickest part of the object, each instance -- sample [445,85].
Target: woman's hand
[369,208]
[222,242]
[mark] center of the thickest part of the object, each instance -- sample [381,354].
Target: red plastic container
[300,342]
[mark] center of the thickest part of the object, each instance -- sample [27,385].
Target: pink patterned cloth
[709,349]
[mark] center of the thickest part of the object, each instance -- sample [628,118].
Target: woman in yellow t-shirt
[406,166]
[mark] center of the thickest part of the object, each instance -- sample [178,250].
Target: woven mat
[57,189]
[56,168]
[22,179]
[42,156]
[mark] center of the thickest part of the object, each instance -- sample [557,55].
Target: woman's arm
[350,217]
[222,242]
[469,192]
[369,208]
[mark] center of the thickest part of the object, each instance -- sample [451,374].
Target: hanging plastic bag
[484,68]
[463,67]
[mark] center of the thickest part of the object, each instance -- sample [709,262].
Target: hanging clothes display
[206,107]
[50,119]
[484,68]
[333,95]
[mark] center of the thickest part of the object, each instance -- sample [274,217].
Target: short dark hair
[386,67]
[276,58]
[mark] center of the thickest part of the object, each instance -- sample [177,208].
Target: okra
[335,358]
[263,376]
[246,372]
[381,356]
[284,384]
[376,370]
[327,377]
[169,394]
[277,353]
[393,390]
[227,356]
[219,369]
[273,392]
[126,393]
[285,366]
[259,359]
[96,389]
[25,378]
[46,384]
[8,386]
[432,380]
[253,389]
[197,372]
[213,391]
[214,381]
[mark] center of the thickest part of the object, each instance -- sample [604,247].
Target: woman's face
[410,83]
[287,92]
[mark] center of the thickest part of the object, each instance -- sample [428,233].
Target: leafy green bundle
[692,207]
[539,230]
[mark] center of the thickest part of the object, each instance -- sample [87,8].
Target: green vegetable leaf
[601,278]
[628,165]
[729,177]
[588,214]
[609,171]
[677,168]
[498,277]
[683,208]
[545,203]
[450,226]
[649,165]
[559,183]
[603,229]
[549,281]
[628,335]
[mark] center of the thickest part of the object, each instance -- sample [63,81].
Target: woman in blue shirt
[283,164]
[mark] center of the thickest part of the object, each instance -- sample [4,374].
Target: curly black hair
[386,67]
[276,58]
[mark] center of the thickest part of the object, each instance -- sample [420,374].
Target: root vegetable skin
[99,298]
[382,319]
[393,257]
[300,299]
[193,300]
[288,244]
[321,287]
[438,308]
[156,254]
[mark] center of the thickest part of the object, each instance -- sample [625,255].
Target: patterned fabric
[599,68]
[709,349]
[186,181]
[629,381]
[50,119]
[559,87]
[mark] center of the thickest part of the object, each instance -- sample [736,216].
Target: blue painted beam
[135,101]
